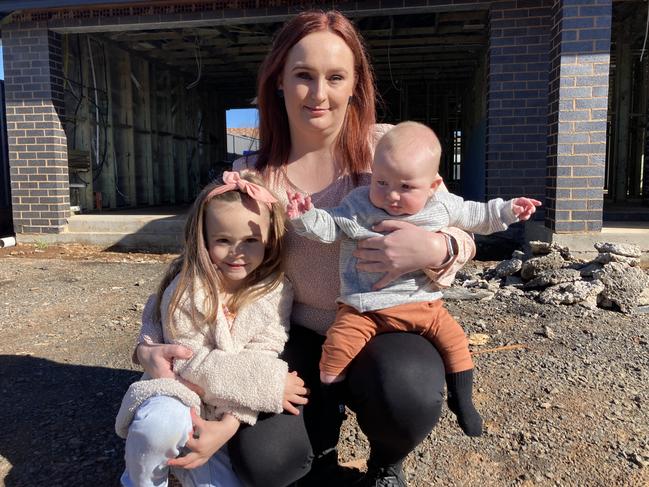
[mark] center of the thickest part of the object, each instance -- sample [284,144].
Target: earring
[280,93]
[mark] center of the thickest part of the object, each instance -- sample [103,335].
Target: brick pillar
[580,57]
[517,98]
[38,157]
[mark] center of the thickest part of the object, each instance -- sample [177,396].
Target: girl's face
[236,238]
[317,80]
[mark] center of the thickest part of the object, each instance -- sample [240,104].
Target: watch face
[451,245]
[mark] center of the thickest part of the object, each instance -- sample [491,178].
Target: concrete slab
[159,230]
[636,233]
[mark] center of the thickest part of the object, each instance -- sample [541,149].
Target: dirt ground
[563,390]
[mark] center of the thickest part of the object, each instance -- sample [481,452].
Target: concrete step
[156,242]
[127,225]
[159,232]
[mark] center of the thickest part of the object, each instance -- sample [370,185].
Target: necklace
[315,197]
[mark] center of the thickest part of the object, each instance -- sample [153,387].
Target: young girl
[227,300]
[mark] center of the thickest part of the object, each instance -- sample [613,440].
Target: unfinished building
[119,106]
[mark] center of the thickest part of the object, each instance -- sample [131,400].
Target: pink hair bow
[233,181]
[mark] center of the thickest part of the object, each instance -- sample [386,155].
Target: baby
[403,187]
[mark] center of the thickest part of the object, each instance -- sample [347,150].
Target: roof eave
[11,6]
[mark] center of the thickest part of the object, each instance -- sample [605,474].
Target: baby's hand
[524,208]
[298,204]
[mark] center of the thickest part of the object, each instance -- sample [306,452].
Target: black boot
[383,475]
[325,470]
[460,387]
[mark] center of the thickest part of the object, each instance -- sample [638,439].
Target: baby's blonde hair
[194,263]
[412,136]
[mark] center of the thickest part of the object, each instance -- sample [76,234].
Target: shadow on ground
[57,422]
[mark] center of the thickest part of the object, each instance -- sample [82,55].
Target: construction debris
[550,274]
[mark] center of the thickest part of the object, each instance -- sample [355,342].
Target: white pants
[158,432]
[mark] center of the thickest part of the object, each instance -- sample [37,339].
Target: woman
[317,128]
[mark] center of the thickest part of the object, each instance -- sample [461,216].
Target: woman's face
[317,80]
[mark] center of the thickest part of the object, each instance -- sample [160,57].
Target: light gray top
[353,220]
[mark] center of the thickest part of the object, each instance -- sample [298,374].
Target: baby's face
[401,182]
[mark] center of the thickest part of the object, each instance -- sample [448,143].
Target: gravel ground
[563,390]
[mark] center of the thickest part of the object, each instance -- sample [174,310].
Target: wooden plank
[180,145]
[104,111]
[165,138]
[123,127]
[78,127]
[142,137]
[623,102]
[194,115]
[155,138]
[204,137]
[84,129]
[645,172]
[640,88]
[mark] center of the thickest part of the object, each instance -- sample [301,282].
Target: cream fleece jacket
[237,367]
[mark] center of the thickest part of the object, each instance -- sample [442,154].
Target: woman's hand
[406,248]
[294,393]
[157,360]
[208,437]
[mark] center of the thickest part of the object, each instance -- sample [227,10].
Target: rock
[583,292]
[623,285]
[536,265]
[643,299]
[492,286]
[478,339]
[589,269]
[553,277]
[514,281]
[607,257]
[467,274]
[538,247]
[461,294]
[515,291]
[471,283]
[508,267]
[626,250]
[518,254]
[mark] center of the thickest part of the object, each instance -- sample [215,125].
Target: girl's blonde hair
[195,267]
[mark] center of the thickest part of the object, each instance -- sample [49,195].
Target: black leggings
[394,386]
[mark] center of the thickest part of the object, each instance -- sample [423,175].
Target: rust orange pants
[352,330]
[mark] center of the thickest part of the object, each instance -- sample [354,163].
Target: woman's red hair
[353,142]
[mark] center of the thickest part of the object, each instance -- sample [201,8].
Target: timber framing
[544,98]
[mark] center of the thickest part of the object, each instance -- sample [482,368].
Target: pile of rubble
[550,274]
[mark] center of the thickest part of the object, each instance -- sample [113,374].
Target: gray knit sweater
[353,220]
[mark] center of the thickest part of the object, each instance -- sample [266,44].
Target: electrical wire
[646,31]
[389,46]
[94,84]
[100,119]
[199,64]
